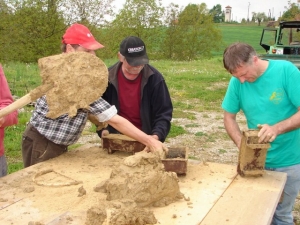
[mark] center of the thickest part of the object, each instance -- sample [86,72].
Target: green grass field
[245,33]
[194,86]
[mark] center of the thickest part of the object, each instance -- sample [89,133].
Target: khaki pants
[36,148]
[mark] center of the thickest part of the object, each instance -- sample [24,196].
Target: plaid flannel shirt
[66,130]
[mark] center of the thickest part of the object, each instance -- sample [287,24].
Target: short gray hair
[237,54]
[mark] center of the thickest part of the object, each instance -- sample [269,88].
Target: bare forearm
[232,128]
[289,124]
[268,133]
[127,128]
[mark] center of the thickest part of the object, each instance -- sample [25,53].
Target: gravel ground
[206,140]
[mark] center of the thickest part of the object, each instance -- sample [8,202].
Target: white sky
[239,7]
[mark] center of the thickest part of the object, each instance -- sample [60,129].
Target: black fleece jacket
[156,105]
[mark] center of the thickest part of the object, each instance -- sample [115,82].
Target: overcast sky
[239,7]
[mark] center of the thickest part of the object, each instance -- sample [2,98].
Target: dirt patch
[206,137]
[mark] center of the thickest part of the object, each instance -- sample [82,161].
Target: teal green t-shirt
[273,97]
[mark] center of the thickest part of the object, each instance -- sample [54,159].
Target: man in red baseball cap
[79,36]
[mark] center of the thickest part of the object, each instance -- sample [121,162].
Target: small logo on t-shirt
[277,96]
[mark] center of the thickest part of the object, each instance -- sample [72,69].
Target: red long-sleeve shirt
[5,100]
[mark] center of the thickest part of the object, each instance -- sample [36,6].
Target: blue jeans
[3,166]
[283,214]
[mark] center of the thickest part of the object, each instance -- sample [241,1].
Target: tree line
[32,29]
[292,12]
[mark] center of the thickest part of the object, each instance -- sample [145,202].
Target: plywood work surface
[248,201]
[213,192]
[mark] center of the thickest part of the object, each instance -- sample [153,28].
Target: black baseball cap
[134,51]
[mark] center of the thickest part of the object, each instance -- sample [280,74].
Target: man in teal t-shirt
[268,92]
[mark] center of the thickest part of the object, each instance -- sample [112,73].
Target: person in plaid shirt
[46,138]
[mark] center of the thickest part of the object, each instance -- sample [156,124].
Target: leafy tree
[196,33]
[171,38]
[217,13]
[259,17]
[292,12]
[31,30]
[93,13]
[138,18]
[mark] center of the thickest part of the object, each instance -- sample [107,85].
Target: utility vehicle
[282,42]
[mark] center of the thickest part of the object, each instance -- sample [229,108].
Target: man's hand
[104,133]
[94,120]
[155,136]
[267,133]
[157,147]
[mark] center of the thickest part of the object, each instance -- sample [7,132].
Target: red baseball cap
[81,35]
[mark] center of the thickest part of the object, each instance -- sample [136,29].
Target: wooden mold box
[176,159]
[120,142]
[252,155]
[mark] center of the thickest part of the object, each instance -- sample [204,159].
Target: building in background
[228,14]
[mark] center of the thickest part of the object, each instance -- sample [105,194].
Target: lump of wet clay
[28,189]
[73,79]
[142,178]
[35,223]
[121,212]
[81,191]
[101,187]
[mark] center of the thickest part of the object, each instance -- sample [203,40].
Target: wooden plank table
[217,194]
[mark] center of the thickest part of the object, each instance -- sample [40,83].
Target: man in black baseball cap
[134,50]
[139,91]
